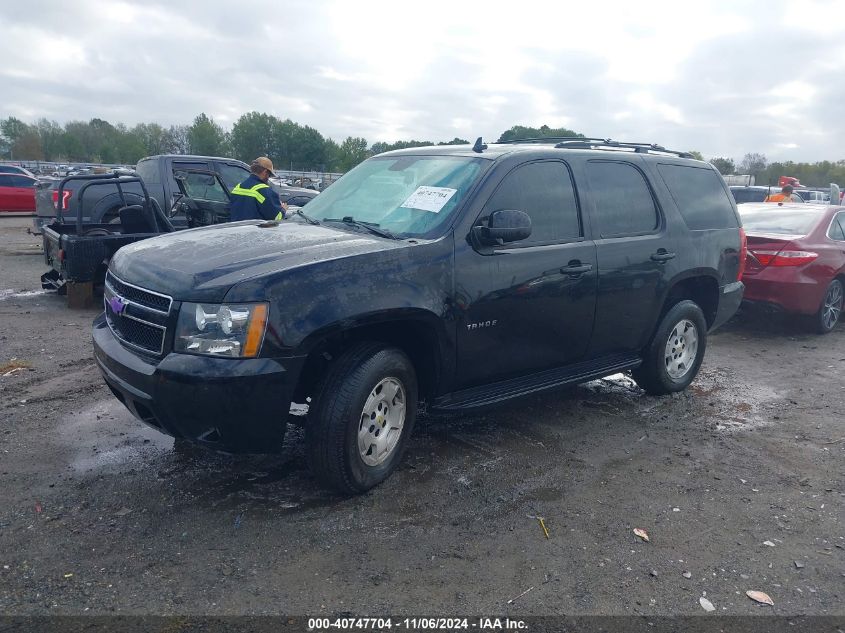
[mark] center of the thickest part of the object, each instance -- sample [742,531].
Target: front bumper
[730,298]
[237,405]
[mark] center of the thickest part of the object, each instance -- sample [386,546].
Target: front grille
[147,298]
[132,320]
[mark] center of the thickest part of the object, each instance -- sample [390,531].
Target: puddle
[128,442]
[15,294]
[105,438]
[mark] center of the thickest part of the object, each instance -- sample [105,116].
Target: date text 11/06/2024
[416,624]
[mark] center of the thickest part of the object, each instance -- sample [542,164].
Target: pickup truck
[78,252]
[459,277]
[102,205]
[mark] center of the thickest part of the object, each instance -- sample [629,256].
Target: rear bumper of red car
[787,289]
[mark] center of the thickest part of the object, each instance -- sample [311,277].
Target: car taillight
[743,253]
[784,258]
[65,197]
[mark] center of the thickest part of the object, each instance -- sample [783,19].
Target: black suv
[455,276]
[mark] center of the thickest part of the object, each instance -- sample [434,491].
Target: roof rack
[578,142]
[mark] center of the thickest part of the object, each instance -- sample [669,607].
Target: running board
[541,381]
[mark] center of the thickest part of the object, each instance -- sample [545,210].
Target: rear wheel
[831,309]
[360,421]
[673,358]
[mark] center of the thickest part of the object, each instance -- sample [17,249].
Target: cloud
[720,78]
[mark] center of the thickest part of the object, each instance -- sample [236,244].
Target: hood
[203,264]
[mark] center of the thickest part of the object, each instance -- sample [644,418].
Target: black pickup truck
[455,276]
[102,205]
[78,252]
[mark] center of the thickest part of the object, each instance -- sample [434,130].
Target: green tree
[253,135]
[725,166]
[153,137]
[544,131]
[696,155]
[455,141]
[205,137]
[352,151]
[21,139]
[176,140]
[754,164]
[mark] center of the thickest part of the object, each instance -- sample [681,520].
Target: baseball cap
[266,163]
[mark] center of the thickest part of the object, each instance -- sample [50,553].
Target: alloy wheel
[382,420]
[832,307]
[681,349]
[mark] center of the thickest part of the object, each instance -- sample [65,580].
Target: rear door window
[177,165]
[623,200]
[232,174]
[204,187]
[700,196]
[545,192]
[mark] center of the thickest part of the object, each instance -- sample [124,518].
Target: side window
[837,228]
[700,196]
[624,205]
[204,187]
[544,191]
[21,181]
[177,165]
[232,174]
[6,181]
[148,171]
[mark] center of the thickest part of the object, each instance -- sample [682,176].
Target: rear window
[779,221]
[700,196]
[743,194]
[148,171]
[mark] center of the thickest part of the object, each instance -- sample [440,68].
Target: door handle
[662,256]
[576,269]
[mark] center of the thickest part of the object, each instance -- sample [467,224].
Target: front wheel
[359,424]
[673,358]
[828,315]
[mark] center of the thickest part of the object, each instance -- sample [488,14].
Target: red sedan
[17,194]
[796,259]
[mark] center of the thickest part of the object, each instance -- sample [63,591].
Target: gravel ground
[739,482]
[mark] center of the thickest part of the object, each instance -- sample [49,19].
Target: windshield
[779,221]
[410,196]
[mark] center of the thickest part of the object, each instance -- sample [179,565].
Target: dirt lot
[739,482]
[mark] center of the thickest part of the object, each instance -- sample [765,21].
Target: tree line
[293,146]
[819,174]
[289,144]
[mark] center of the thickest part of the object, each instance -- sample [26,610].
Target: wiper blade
[372,227]
[307,218]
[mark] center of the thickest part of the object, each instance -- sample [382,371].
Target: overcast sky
[723,78]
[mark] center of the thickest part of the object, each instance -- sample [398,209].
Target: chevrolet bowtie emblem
[117,305]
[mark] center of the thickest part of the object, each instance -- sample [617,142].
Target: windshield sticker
[429,198]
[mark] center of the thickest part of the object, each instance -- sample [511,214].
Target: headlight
[234,330]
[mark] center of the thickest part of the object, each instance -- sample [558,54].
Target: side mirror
[180,175]
[503,226]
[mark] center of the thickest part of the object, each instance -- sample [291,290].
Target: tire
[343,453]
[670,363]
[831,308]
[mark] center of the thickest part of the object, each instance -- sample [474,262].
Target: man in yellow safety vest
[254,199]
